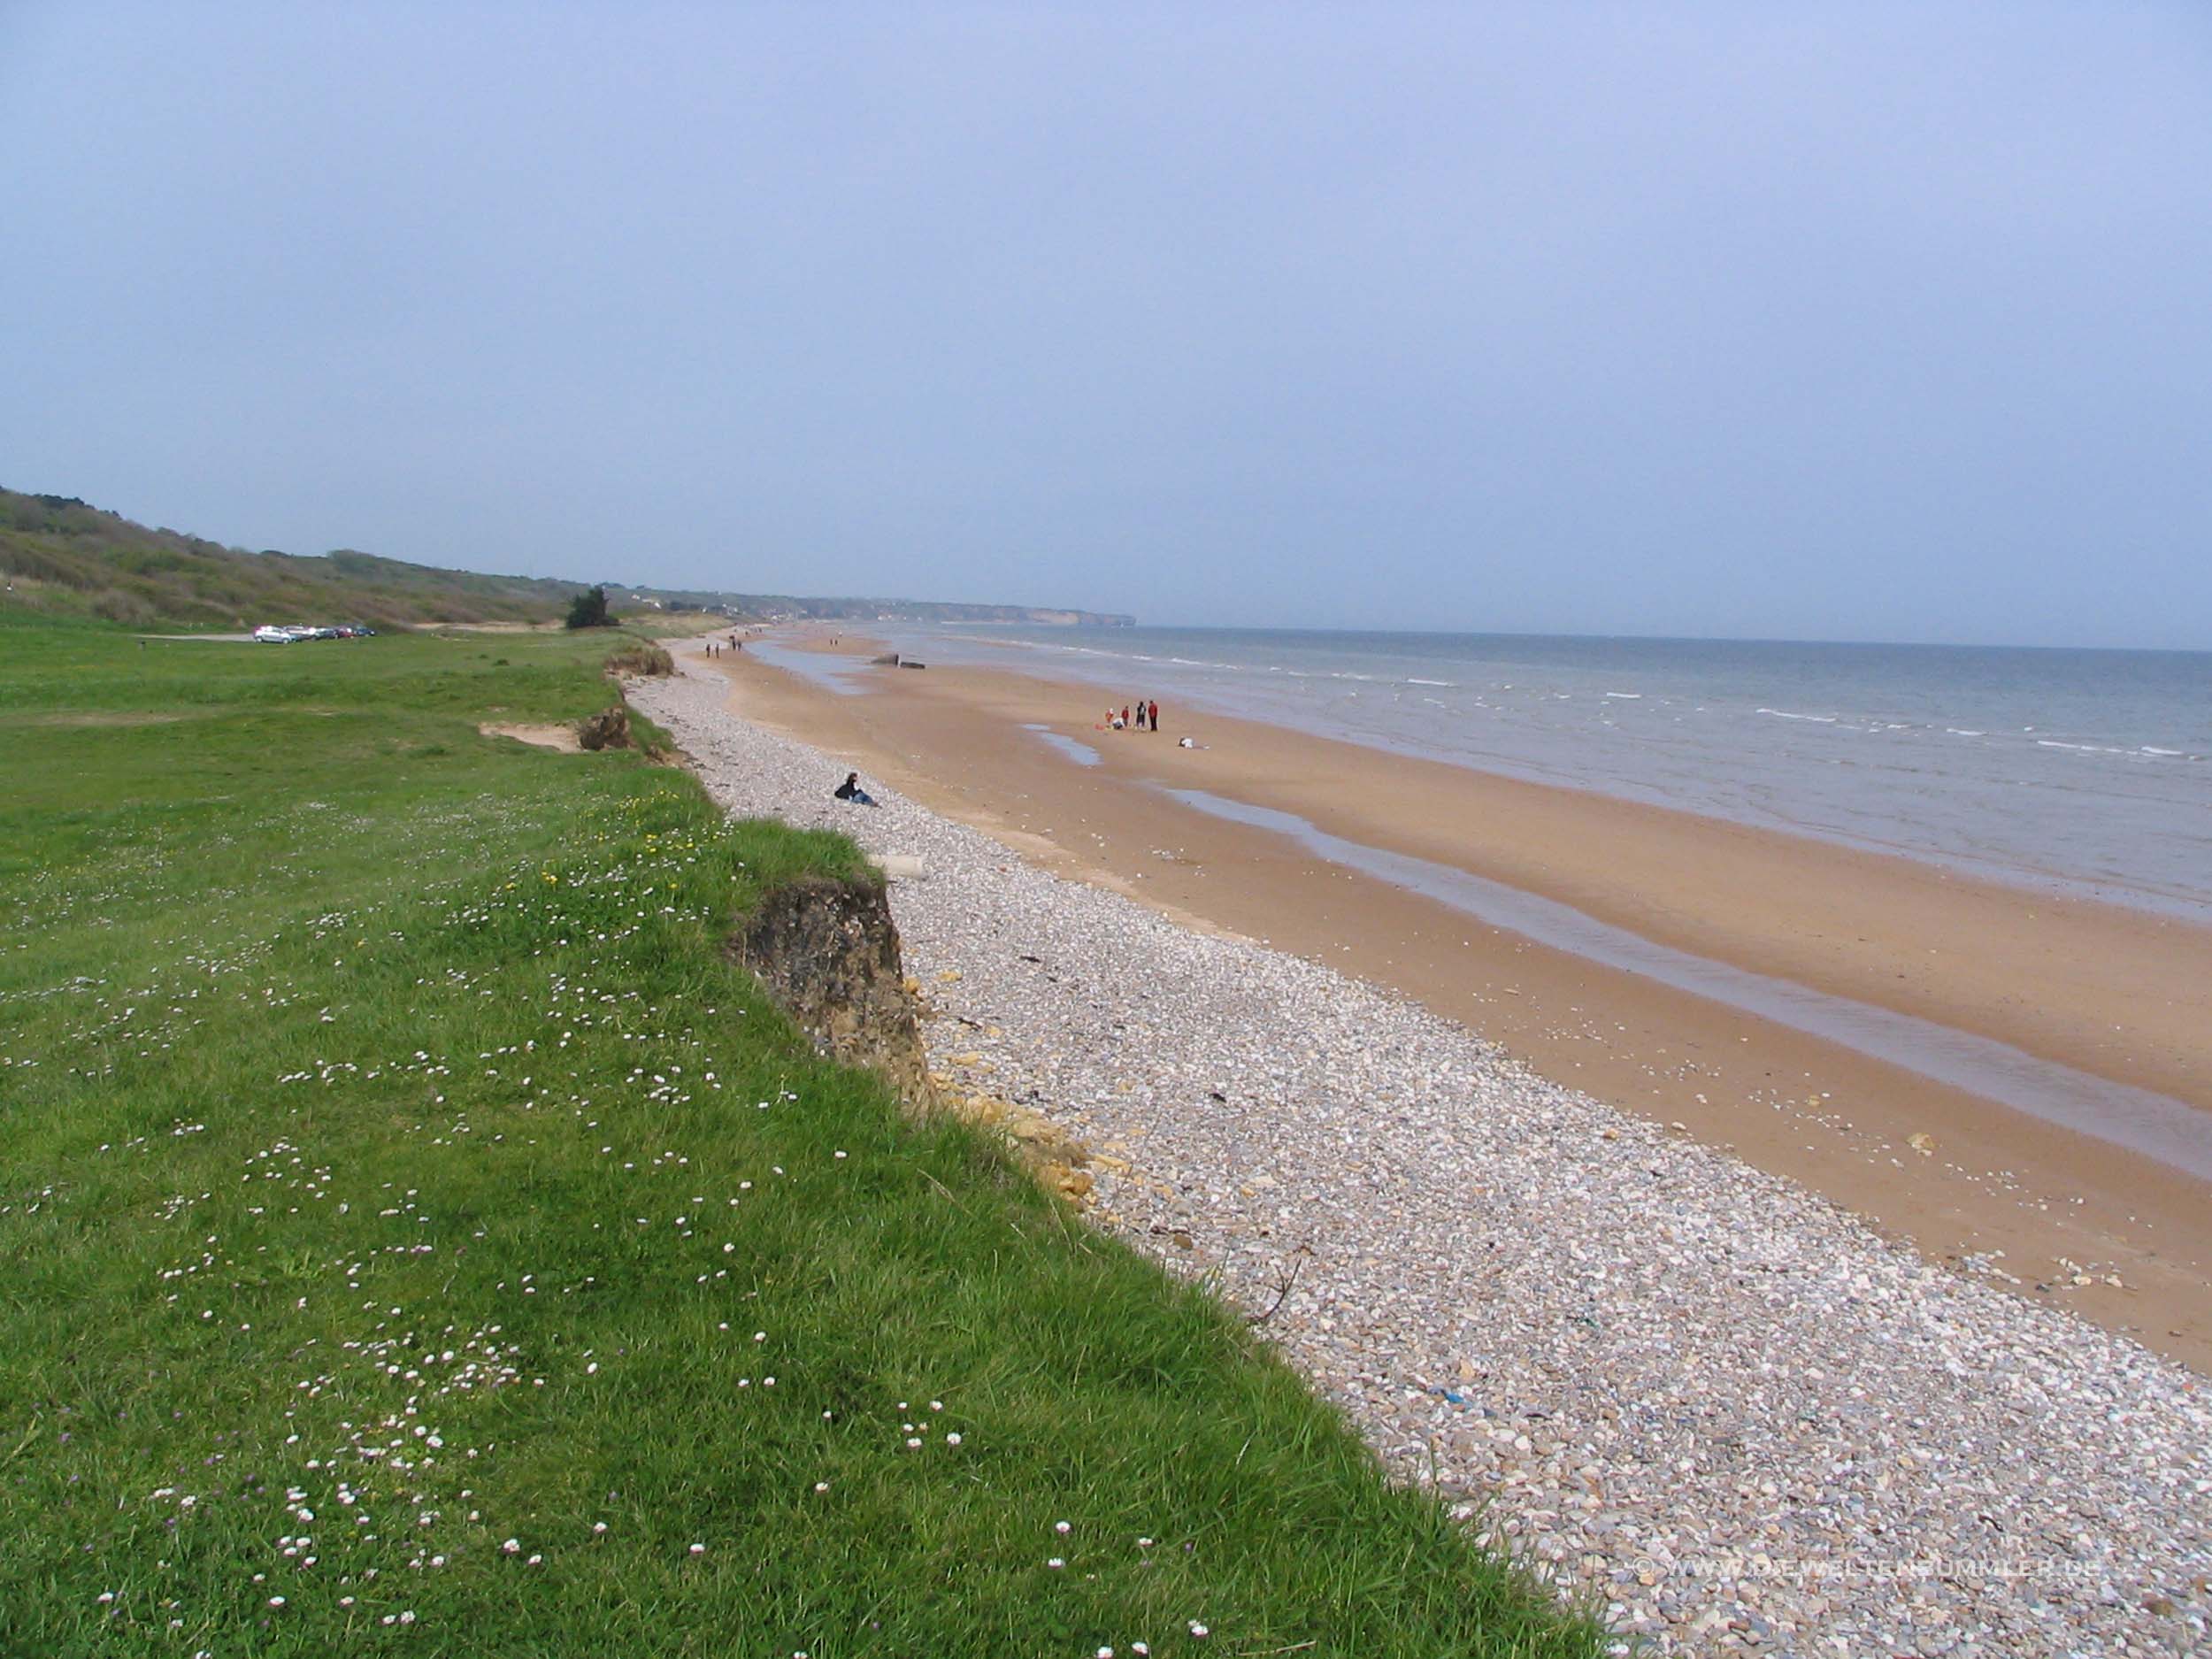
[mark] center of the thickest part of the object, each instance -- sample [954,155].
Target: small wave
[1447,684]
[2080,748]
[1784,714]
[1626,696]
[2173,754]
[1961,731]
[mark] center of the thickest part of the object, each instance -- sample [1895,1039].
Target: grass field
[420,1238]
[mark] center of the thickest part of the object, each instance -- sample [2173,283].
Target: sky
[1814,320]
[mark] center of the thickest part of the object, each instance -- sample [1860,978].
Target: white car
[268,636]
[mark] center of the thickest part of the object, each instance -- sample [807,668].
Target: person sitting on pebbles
[850,790]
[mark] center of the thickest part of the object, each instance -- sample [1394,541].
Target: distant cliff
[779,607]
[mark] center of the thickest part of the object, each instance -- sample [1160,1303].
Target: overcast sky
[1845,320]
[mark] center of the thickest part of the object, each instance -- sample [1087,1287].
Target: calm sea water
[2090,769]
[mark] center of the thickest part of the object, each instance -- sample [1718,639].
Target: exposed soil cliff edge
[829,954]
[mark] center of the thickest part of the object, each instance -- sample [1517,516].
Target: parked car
[271,633]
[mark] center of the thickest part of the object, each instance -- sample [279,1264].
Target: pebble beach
[1700,1398]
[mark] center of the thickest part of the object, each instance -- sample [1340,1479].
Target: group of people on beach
[1143,715]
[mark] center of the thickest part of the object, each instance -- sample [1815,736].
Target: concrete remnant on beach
[610,728]
[829,954]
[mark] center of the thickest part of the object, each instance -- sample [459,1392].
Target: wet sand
[2112,994]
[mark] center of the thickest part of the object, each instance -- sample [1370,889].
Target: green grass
[390,1141]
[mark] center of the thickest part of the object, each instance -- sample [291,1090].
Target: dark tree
[589,610]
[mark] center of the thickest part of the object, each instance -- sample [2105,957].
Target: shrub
[589,610]
[642,658]
[117,605]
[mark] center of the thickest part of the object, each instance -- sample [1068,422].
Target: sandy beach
[1732,1414]
[2102,994]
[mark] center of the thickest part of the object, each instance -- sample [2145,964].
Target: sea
[2087,770]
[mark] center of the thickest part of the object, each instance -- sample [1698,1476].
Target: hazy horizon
[1171,625]
[1846,323]
[1148,623]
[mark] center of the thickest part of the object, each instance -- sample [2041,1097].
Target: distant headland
[792,608]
